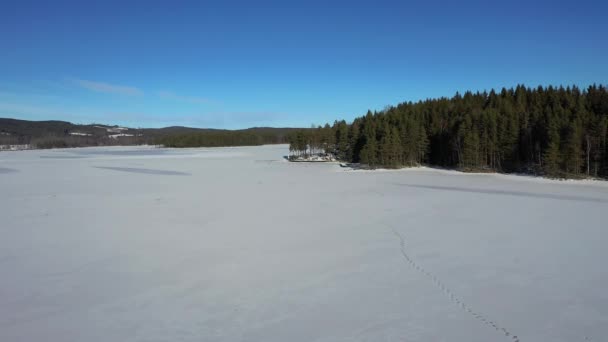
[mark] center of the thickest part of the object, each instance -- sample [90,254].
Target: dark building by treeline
[555,131]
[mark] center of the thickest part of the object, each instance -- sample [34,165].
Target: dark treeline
[67,141]
[316,140]
[217,138]
[555,131]
[62,134]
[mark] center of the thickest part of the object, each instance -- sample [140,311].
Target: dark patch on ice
[144,171]
[6,258]
[508,193]
[62,157]
[7,170]
[106,152]
[94,264]
[266,161]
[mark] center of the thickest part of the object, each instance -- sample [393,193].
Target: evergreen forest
[553,131]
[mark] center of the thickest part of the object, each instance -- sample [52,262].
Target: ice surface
[7,170]
[236,244]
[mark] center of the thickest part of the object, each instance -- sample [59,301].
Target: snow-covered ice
[236,244]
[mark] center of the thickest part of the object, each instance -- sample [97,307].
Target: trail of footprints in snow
[453,298]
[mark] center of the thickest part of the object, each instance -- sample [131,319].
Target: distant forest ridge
[60,134]
[554,131]
[216,138]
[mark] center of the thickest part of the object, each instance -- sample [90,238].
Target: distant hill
[217,137]
[52,134]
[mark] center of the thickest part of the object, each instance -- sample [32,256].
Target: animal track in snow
[450,294]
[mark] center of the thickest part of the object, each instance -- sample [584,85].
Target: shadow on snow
[507,193]
[144,171]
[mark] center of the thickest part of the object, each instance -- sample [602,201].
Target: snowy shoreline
[506,176]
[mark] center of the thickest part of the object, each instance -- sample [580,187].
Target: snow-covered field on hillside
[236,244]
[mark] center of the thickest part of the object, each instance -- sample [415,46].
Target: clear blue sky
[257,63]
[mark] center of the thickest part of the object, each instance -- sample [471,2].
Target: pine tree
[342,141]
[552,156]
[356,142]
[422,144]
[574,151]
[369,151]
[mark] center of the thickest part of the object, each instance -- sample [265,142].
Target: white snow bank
[506,176]
[15,147]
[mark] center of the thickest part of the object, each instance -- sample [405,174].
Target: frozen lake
[235,244]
